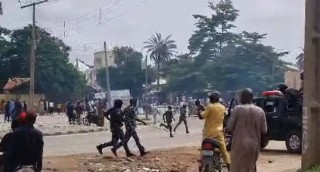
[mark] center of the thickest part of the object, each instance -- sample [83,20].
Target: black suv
[283,124]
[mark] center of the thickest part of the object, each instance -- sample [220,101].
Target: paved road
[151,137]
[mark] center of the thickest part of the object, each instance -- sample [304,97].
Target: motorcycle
[211,160]
[91,117]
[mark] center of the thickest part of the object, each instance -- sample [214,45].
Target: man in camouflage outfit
[130,118]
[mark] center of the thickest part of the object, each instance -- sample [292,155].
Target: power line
[114,17]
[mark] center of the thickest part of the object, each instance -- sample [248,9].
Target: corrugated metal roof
[15,82]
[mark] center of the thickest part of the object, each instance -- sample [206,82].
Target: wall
[292,79]
[100,62]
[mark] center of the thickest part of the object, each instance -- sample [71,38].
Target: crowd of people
[12,109]
[24,145]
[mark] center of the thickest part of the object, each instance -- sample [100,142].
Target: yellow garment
[213,126]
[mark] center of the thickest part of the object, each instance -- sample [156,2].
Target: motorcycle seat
[213,142]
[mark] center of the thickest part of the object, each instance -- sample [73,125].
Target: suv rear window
[270,105]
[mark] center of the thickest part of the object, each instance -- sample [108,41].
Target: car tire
[264,144]
[294,142]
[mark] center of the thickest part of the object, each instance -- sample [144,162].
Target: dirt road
[166,160]
[77,153]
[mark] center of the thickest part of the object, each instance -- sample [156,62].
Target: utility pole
[107,75]
[311,110]
[1,9]
[33,54]
[146,89]
[146,83]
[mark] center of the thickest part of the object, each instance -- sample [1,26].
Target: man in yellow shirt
[213,125]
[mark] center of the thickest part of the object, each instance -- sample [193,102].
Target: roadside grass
[314,169]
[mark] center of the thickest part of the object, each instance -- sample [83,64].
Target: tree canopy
[224,59]
[55,76]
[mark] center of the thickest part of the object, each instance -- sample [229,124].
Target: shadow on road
[277,152]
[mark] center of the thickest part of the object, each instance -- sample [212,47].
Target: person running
[130,124]
[182,118]
[167,118]
[213,124]
[115,116]
[247,123]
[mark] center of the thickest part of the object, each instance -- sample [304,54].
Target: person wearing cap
[182,118]
[213,125]
[26,148]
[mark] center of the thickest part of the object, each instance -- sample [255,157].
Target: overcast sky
[130,22]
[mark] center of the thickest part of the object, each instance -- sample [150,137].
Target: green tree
[55,76]
[128,73]
[213,33]
[161,50]
[249,63]
[184,77]
[5,48]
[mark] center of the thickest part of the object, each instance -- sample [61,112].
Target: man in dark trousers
[7,112]
[70,114]
[167,118]
[26,145]
[115,116]
[130,118]
[182,118]
[17,108]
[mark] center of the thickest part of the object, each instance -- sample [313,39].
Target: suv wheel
[294,142]
[264,144]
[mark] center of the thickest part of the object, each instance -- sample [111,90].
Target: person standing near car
[247,123]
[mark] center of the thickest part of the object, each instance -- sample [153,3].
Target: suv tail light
[207,146]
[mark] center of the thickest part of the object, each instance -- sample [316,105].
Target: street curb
[72,132]
[75,132]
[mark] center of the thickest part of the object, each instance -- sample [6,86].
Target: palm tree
[300,61]
[160,50]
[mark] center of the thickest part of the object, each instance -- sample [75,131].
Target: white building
[292,79]
[100,60]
